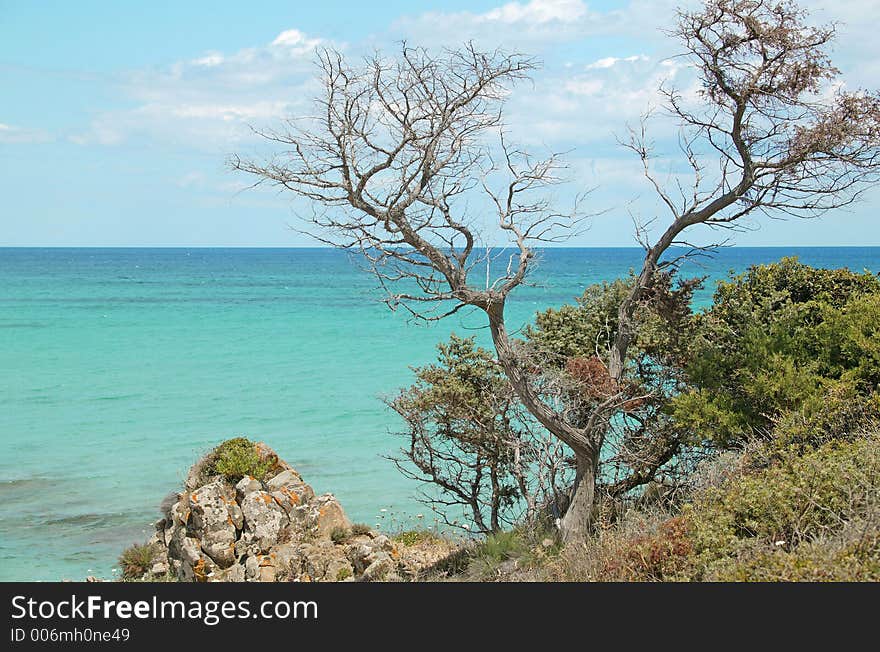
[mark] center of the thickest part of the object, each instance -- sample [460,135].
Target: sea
[120,367]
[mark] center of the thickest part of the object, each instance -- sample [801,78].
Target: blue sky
[116,118]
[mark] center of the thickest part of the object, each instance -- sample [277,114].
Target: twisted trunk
[577,519]
[575,524]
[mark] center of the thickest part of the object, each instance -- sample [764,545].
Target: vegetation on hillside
[773,396]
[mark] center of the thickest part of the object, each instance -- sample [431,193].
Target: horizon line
[330,248]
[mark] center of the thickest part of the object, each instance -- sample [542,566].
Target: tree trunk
[576,522]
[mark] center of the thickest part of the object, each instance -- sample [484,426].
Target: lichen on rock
[268,529]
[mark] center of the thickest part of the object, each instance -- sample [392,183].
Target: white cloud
[10,134]
[295,43]
[537,11]
[528,24]
[609,62]
[210,59]
[589,104]
[210,101]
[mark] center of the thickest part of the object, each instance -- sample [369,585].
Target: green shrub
[787,507]
[502,546]
[769,513]
[136,560]
[779,339]
[638,547]
[236,458]
[359,529]
[842,412]
[852,555]
[340,534]
[343,574]
[414,537]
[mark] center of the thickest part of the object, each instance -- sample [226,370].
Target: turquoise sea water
[118,367]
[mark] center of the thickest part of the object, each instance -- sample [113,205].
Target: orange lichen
[199,571]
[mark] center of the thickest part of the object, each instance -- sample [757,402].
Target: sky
[116,119]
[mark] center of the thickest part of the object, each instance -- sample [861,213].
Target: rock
[160,568]
[251,569]
[211,508]
[236,515]
[360,556]
[194,566]
[379,568]
[328,515]
[322,561]
[288,477]
[269,531]
[276,464]
[180,511]
[232,574]
[289,490]
[247,485]
[263,520]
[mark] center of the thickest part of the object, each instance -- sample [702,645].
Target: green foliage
[840,413]
[779,339]
[501,546]
[853,555]
[574,342]
[784,370]
[588,328]
[136,560]
[460,390]
[414,537]
[340,534]
[778,513]
[504,554]
[360,529]
[236,458]
[580,330]
[798,506]
[343,574]
[469,437]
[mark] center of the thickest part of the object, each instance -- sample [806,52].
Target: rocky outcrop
[268,530]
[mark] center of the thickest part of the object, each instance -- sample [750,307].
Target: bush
[340,534]
[468,436]
[136,560]
[791,506]
[359,529]
[769,513]
[414,537]
[842,412]
[236,458]
[779,339]
[852,555]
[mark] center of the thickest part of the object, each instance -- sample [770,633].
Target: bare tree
[399,146]
[397,149]
[768,135]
